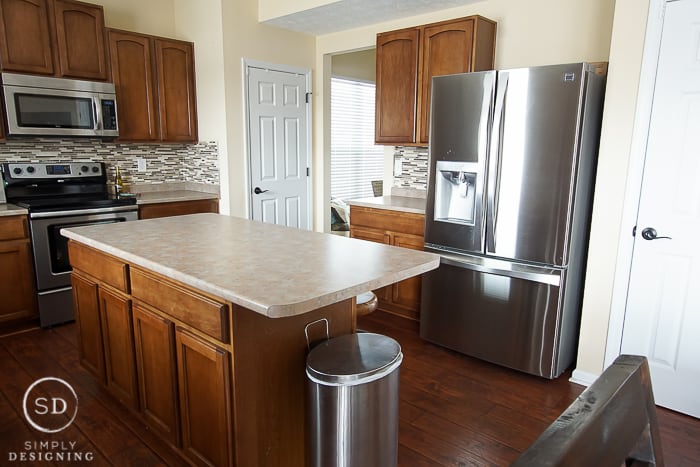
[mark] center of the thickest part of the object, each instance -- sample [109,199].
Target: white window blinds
[355,159]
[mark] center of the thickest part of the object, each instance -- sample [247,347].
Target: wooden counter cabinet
[403,229]
[16,270]
[177,208]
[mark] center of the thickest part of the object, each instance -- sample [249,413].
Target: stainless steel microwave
[40,105]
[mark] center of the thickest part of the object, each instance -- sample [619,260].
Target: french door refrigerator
[512,165]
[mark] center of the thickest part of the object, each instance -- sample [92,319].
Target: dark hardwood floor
[454,410]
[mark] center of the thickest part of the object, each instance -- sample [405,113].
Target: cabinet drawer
[107,269]
[385,219]
[13,228]
[200,312]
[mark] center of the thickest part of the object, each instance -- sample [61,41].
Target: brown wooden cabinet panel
[205,400]
[104,267]
[87,314]
[446,50]
[118,341]
[25,43]
[80,41]
[154,340]
[178,208]
[397,79]
[403,229]
[16,281]
[177,105]
[455,46]
[131,57]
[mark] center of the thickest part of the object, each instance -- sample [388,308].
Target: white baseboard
[583,378]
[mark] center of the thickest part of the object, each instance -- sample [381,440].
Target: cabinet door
[118,339]
[80,40]
[131,58]
[87,314]
[177,208]
[25,44]
[397,71]
[407,292]
[16,281]
[154,339]
[177,106]
[377,236]
[446,48]
[205,400]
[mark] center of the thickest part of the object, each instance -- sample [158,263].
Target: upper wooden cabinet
[154,79]
[131,57]
[25,44]
[80,40]
[63,38]
[177,105]
[408,59]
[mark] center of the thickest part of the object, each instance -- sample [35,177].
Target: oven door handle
[80,212]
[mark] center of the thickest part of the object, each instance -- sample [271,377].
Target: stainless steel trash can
[353,401]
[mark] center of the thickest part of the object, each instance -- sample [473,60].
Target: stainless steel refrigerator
[512,165]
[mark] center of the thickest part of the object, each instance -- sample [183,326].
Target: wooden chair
[611,423]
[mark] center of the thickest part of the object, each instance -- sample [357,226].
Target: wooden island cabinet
[205,342]
[406,62]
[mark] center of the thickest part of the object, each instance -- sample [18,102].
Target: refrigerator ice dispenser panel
[455,192]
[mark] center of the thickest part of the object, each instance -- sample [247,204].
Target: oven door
[51,248]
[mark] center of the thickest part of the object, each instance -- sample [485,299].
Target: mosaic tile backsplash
[165,163]
[414,173]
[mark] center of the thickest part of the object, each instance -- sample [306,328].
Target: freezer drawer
[510,321]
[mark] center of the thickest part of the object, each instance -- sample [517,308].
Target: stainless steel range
[57,196]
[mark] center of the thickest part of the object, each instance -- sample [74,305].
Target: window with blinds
[355,159]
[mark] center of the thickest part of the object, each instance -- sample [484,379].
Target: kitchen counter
[275,271]
[392,203]
[7,209]
[154,197]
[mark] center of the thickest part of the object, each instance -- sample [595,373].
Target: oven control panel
[62,170]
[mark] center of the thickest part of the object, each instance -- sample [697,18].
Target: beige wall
[200,22]
[626,50]
[358,65]
[155,17]
[244,37]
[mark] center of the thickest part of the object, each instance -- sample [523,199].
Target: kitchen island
[199,323]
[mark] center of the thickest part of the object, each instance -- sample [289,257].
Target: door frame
[635,175]
[306,72]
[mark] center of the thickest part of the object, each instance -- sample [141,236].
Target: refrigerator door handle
[494,175]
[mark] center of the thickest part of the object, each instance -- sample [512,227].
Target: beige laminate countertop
[392,203]
[273,270]
[7,209]
[154,197]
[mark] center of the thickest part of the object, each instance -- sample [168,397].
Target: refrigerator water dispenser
[455,192]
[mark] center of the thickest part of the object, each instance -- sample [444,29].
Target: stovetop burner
[70,186]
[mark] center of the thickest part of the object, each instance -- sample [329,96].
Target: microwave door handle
[97,112]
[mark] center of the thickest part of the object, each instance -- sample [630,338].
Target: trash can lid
[353,359]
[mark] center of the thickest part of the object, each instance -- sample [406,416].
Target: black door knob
[650,233]
[257,190]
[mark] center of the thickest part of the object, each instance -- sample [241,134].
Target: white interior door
[279,147]
[662,319]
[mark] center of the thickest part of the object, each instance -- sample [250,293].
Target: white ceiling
[349,14]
